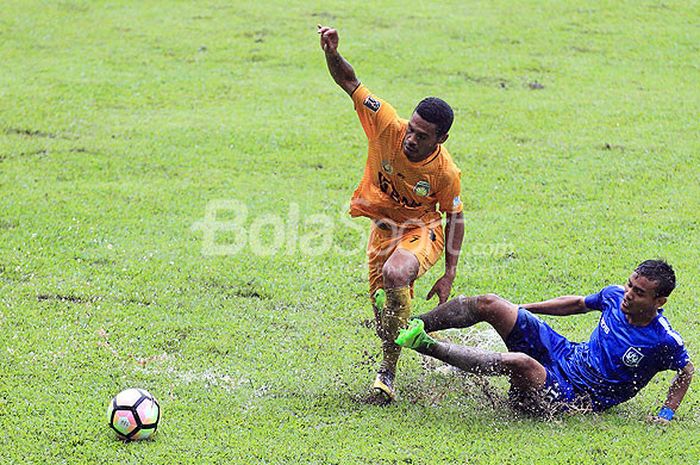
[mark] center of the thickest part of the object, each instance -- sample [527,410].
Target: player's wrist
[666,413]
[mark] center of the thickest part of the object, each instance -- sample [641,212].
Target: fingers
[323,30]
[440,292]
[656,420]
[328,37]
[435,291]
[324,39]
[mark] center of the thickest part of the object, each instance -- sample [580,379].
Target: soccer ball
[134,414]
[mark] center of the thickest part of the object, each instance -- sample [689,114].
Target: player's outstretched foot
[382,391]
[414,337]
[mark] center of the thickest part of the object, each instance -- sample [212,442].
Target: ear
[443,138]
[660,301]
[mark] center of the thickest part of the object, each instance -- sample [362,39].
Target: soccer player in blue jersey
[548,373]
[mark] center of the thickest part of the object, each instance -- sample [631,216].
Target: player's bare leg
[462,312]
[399,271]
[525,372]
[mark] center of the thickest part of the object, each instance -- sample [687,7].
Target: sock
[394,317]
[471,359]
[459,312]
[378,300]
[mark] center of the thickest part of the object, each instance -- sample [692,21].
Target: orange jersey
[393,187]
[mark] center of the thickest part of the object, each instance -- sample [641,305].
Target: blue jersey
[620,359]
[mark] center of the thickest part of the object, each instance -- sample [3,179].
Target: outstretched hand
[442,288]
[329,38]
[657,420]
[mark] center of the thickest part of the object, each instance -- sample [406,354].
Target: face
[640,296]
[420,139]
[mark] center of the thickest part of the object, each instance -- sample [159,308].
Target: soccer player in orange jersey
[409,182]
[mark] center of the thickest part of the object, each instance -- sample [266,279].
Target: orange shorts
[425,242]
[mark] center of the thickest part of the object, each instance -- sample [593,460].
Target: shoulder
[667,333]
[446,167]
[608,298]
[449,163]
[613,293]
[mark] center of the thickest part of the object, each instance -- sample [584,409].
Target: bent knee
[525,371]
[520,361]
[492,305]
[395,274]
[488,300]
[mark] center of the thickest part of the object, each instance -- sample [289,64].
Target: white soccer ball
[134,414]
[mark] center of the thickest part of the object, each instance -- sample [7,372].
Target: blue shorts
[534,337]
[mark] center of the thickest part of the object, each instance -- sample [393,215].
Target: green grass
[120,123]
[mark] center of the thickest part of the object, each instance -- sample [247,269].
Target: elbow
[581,305]
[688,371]
[455,218]
[455,222]
[349,86]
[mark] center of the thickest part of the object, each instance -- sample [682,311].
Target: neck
[419,158]
[642,319]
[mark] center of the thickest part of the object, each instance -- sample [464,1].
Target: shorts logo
[422,188]
[372,103]
[632,357]
[386,166]
[551,395]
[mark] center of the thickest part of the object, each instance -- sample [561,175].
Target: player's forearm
[679,387]
[561,306]
[454,235]
[341,71]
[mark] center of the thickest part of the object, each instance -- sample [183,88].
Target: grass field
[135,135]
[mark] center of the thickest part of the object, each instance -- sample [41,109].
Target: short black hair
[438,112]
[660,272]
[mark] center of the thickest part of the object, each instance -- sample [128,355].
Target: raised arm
[561,306]
[341,71]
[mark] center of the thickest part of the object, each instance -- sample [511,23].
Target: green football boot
[414,337]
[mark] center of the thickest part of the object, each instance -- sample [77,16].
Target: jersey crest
[422,188]
[386,166]
[632,357]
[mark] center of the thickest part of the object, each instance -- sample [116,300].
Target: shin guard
[394,317]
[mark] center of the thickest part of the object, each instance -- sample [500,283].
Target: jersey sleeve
[375,114]
[597,301]
[679,358]
[448,196]
[675,354]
